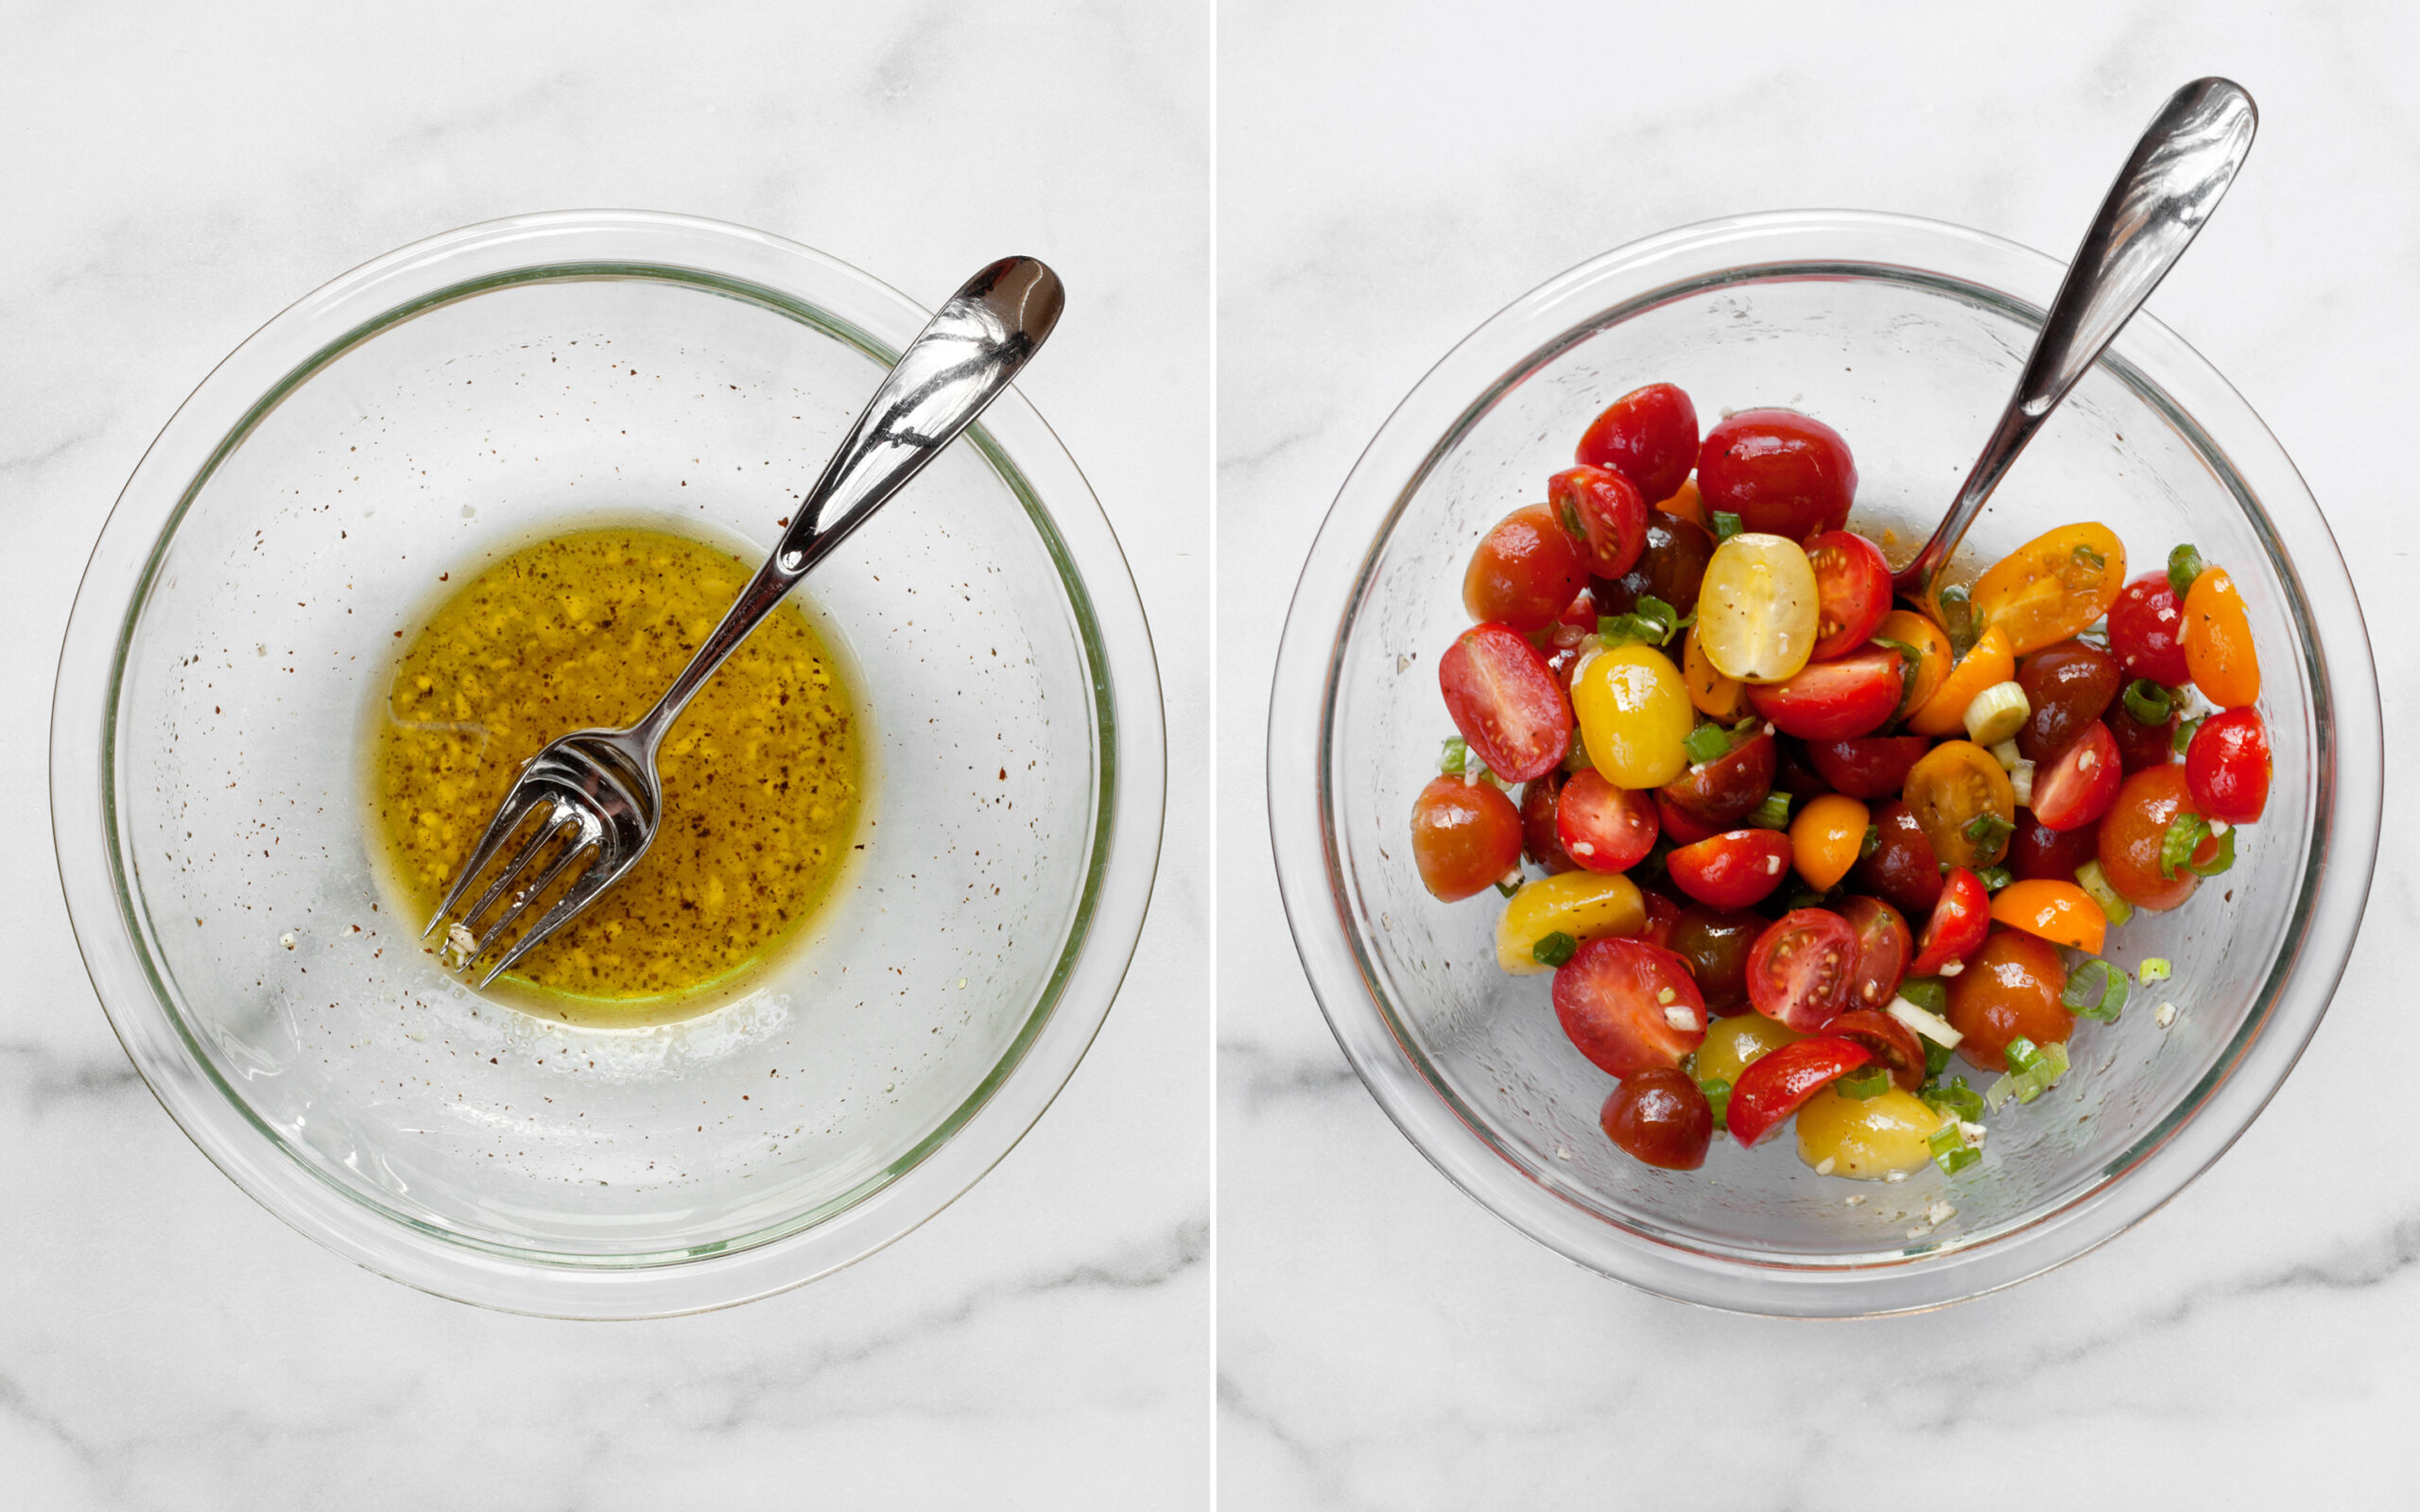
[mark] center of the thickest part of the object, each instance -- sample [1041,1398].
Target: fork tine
[583,891]
[529,895]
[557,824]
[518,802]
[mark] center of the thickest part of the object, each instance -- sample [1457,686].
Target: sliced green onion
[1507,888]
[2221,862]
[1864,1082]
[1958,616]
[1995,878]
[1957,1099]
[1554,949]
[2091,558]
[2096,989]
[2054,1061]
[1707,743]
[2183,565]
[1773,813]
[1996,1096]
[1936,1057]
[2185,836]
[1989,834]
[1910,662]
[2022,1055]
[1926,993]
[1726,525]
[1458,751]
[1872,842]
[2096,882]
[1575,761]
[2155,969]
[1950,1150]
[2149,703]
[1718,1097]
[2185,735]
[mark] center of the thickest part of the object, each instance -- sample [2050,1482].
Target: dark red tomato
[1538,799]
[2070,685]
[1902,870]
[1629,1006]
[1719,791]
[1894,1045]
[1779,470]
[2140,744]
[1465,835]
[1958,922]
[1883,946]
[1715,942]
[1877,767]
[1796,775]
[1604,516]
[1648,436]
[1505,702]
[2038,852]
[1524,572]
[2009,990]
[1662,915]
[2227,766]
[1852,585]
[1777,1083]
[1603,828]
[1671,567]
[2145,627]
[1660,1117]
[2081,785]
[1679,825]
[2134,832]
[1803,968]
[1833,701]
[1732,871]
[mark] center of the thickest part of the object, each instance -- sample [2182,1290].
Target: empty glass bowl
[285,535]
[1906,336]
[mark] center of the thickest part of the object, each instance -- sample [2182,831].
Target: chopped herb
[2092,559]
[2095,989]
[2155,969]
[1910,662]
[1553,950]
[1718,1097]
[1957,1099]
[1872,842]
[1988,833]
[1958,619]
[1926,993]
[2183,565]
[1950,1150]
[1995,878]
[1863,1083]
[1652,622]
[2185,735]
[1707,743]
[1773,813]
[1726,525]
[1458,751]
[2149,703]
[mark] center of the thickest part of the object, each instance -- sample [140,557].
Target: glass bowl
[293,522]
[1906,336]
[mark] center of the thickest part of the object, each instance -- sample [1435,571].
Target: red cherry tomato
[1833,701]
[1903,869]
[2037,853]
[1465,835]
[1662,915]
[1604,516]
[2144,628]
[1958,925]
[1660,1117]
[1716,793]
[1539,799]
[1524,572]
[2227,767]
[1679,825]
[2140,744]
[1629,1006]
[1777,1083]
[1603,828]
[1803,968]
[2082,785]
[1505,702]
[1780,472]
[1648,436]
[1883,946]
[1853,587]
[1893,1044]
[1732,871]
[1877,767]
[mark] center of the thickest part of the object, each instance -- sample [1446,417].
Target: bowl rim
[841,303]
[1684,261]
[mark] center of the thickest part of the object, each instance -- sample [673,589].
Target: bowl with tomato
[1747,932]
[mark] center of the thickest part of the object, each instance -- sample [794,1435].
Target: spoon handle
[2167,189]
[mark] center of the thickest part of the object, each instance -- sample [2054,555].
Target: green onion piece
[1458,751]
[1575,761]
[1554,949]
[1957,610]
[2155,969]
[1652,622]
[2054,1061]
[1571,521]
[1864,1082]
[2029,1086]
[2185,836]
[2148,702]
[1726,525]
[2091,558]
[2096,882]
[1507,888]
[2183,565]
[1989,834]
[2185,735]
[1718,1097]
[2095,989]
[1957,1100]
[1995,878]
[1936,1055]
[2218,863]
[1707,743]
[1997,1094]
[1926,993]
[1950,1150]
[1872,842]
[2022,1055]
[1773,813]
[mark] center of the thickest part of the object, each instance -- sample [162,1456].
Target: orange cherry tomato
[1908,628]
[1716,696]
[2060,912]
[1989,661]
[2218,641]
[1825,839]
[2011,989]
[1956,784]
[1685,503]
[2134,831]
[2052,587]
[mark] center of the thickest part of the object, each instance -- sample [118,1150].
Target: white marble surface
[1389,176]
[174,176]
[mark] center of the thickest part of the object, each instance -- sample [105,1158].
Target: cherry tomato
[1903,869]
[1852,585]
[1780,472]
[2145,627]
[1604,516]
[1958,925]
[1722,699]
[1525,571]
[2133,832]
[1670,568]
[2218,641]
[2081,785]
[2227,767]
[1905,627]
[1875,766]
[1539,799]
[1835,701]
[1661,1118]
[1715,942]
[1634,714]
[2052,587]
[1507,705]
[1650,436]
[1731,870]
[1602,827]
[1574,629]
[1957,784]
[1627,1005]
[1662,914]
[2060,912]
[2038,850]
[1582,905]
[2140,744]
[1758,609]
[1719,792]
[1803,968]
[1987,664]
[1794,774]
[1895,1046]
[1883,946]
[1679,825]
[2009,990]
[1777,1083]
[1465,835]
[1826,837]
[2069,686]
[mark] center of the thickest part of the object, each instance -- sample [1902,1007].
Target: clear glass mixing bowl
[1908,337]
[457,398]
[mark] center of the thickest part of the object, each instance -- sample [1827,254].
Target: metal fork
[597,788]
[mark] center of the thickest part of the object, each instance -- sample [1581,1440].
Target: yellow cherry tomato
[2060,912]
[1633,713]
[1989,661]
[1826,837]
[1933,660]
[1866,1139]
[1956,784]
[1716,696]
[2053,586]
[1686,504]
[1582,905]
[1759,608]
[2218,641]
[1732,1044]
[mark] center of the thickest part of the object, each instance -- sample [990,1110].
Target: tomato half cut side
[1959,924]
[1648,436]
[1777,1083]
[1884,943]
[1803,969]
[2052,587]
[1875,766]
[1465,835]
[1894,1045]
[1603,514]
[1735,869]
[1505,702]
[1627,1005]
[1835,701]
[1852,585]
[1602,827]
[2081,786]
[2227,766]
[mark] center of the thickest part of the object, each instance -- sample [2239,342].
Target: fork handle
[955,368]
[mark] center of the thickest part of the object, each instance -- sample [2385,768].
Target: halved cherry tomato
[2131,834]
[1648,436]
[1958,925]
[1465,835]
[1602,827]
[1670,568]
[1894,1045]
[2038,850]
[1715,944]
[2227,766]
[2218,641]
[1679,825]
[1757,607]
[1883,946]
[2011,989]
[1634,714]
[2053,586]
[1875,766]
[1835,701]
[1853,583]
[2060,912]
[1780,472]
[1506,703]
[1719,698]
[1987,663]
[1661,1118]
[1825,839]
[1905,627]
[1718,792]
[1732,871]
[2080,786]
[1574,629]
[1525,571]
[1777,1083]
[1603,514]
[1582,905]
[1684,502]
[2068,686]
[2140,744]
[1627,1005]
[1538,799]
[1957,784]
[2145,627]
[1803,969]
[1903,869]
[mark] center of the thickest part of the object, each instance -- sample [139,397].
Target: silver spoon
[2162,195]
